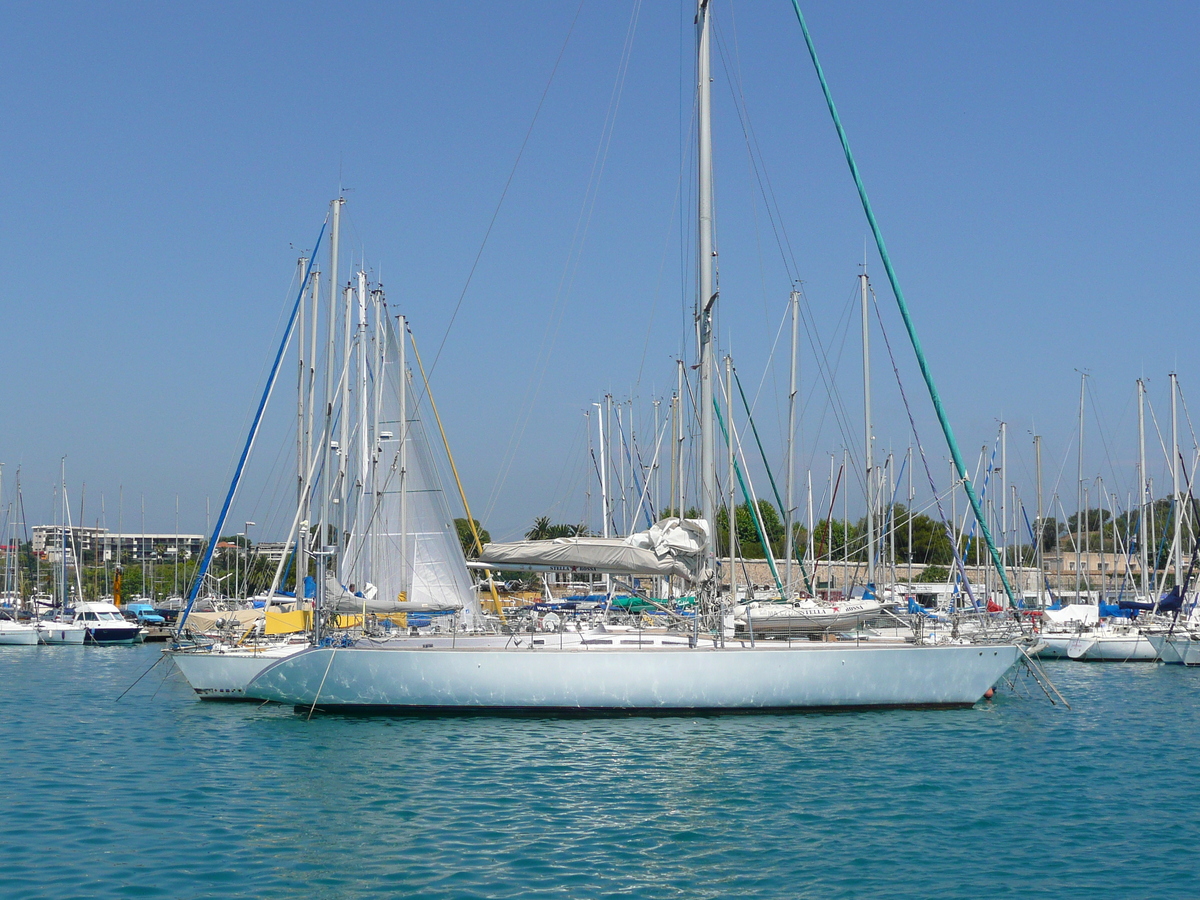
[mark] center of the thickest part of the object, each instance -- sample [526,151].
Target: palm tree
[541,530]
[567,531]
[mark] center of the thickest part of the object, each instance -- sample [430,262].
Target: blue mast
[237,475]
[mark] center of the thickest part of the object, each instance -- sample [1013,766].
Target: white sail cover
[409,551]
[670,547]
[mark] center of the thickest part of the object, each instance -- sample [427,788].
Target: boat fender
[989,693]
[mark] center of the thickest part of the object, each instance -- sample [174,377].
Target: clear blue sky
[1033,167]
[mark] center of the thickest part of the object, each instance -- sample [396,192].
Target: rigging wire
[1120,483]
[960,565]
[504,193]
[662,268]
[827,372]
[571,266]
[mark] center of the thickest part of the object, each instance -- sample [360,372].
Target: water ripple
[160,795]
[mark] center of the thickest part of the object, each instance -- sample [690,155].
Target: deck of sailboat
[609,641]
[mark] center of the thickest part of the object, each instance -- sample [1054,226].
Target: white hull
[60,633]
[16,634]
[1054,646]
[659,679]
[1112,648]
[224,674]
[1178,649]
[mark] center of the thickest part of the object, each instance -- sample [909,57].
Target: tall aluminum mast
[869,438]
[1004,493]
[343,452]
[1143,546]
[677,498]
[302,418]
[732,496]
[706,297]
[1080,512]
[405,415]
[789,539]
[365,431]
[602,413]
[601,408]
[1175,498]
[330,366]
[1041,527]
[301,375]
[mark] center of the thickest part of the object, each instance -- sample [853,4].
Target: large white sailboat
[610,671]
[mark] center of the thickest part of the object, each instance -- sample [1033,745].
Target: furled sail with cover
[670,547]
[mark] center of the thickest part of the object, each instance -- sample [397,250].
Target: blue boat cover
[1172,601]
[916,609]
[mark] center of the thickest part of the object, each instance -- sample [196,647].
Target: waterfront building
[101,545]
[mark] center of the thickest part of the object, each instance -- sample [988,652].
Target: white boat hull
[18,635]
[1054,646]
[61,633]
[223,675]
[1112,648]
[1178,649]
[769,677]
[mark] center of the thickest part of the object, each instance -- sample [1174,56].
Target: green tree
[258,579]
[565,530]
[1093,520]
[540,530]
[749,544]
[467,540]
[772,525]
[833,536]
[1051,530]
[544,530]
[930,543]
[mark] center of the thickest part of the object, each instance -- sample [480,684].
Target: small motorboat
[104,624]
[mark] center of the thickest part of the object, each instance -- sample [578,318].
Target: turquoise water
[161,795]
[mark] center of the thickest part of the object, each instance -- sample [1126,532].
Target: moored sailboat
[651,671]
[14,633]
[59,627]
